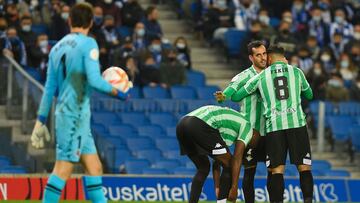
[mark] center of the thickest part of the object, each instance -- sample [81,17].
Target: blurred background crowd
[321,37]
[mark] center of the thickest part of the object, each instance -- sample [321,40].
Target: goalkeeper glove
[39,135]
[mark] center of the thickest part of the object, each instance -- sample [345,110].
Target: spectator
[132,70]
[59,26]
[355,90]
[109,40]
[152,26]
[17,46]
[111,9]
[335,89]
[123,52]
[253,35]
[155,50]
[325,6]
[246,11]
[183,51]
[300,16]
[287,17]
[150,73]
[312,46]
[98,20]
[305,60]
[38,11]
[171,70]
[131,13]
[327,59]
[285,38]
[39,55]
[266,30]
[217,21]
[317,27]
[355,54]
[317,78]
[26,34]
[346,68]
[138,38]
[12,15]
[337,45]
[5,45]
[355,39]
[341,26]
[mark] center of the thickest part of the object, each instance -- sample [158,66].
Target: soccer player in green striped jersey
[251,109]
[208,131]
[281,87]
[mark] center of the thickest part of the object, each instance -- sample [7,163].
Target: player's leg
[225,177]
[276,151]
[300,155]
[202,165]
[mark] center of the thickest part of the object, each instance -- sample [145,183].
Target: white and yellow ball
[118,78]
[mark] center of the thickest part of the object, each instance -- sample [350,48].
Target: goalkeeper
[73,71]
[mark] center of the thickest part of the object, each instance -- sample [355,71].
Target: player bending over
[73,71]
[281,87]
[208,131]
[252,109]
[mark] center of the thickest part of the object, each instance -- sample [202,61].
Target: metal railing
[27,81]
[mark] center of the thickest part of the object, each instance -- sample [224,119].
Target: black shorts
[296,140]
[256,154]
[198,138]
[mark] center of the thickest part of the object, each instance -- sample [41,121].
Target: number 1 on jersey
[281,87]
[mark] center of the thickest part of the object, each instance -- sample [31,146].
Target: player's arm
[236,161]
[93,75]
[234,85]
[247,89]
[306,90]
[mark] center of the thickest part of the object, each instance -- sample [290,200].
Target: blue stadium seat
[135,93]
[169,105]
[162,119]
[339,126]
[151,131]
[175,155]
[291,170]
[317,173]
[13,170]
[194,104]
[206,92]
[355,136]
[111,105]
[166,164]
[230,104]
[320,165]
[155,93]
[105,118]
[274,22]
[149,154]
[40,29]
[135,144]
[120,130]
[261,169]
[314,107]
[184,171]
[182,92]
[171,131]
[349,108]
[337,173]
[120,156]
[155,171]
[143,105]
[233,42]
[4,161]
[134,118]
[195,79]
[135,166]
[167,144]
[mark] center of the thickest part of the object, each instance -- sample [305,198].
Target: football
[118,78]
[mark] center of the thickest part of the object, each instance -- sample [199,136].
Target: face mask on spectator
[108,1]
[34,3]
[140,32]
[26,28]
[221,4]
[357,35]
[344,64]
[339,19]
[334,83]
[316,18]
[325,58]
[155,47]
[98,20]
[180,46]
[288,19]
[65,16]
[317,71]
[264,19]
[43,43]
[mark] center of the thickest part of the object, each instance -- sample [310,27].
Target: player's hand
[233,193]
[39,135]
[219,96]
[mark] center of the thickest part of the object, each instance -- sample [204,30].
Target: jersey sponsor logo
[94,54]
[275,112]
[235,78]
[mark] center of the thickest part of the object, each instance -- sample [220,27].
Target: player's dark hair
[254,44]
[276,49]
[149,10]
[25,17]
[81,15]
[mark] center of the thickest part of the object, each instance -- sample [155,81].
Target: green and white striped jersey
[251,107]
[280,87]
[230,123]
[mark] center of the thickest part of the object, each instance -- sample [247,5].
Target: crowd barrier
[165,188]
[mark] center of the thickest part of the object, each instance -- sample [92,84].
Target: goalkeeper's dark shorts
[294,140]
[196,137]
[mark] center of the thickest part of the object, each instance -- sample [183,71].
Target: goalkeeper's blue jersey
[73,69]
